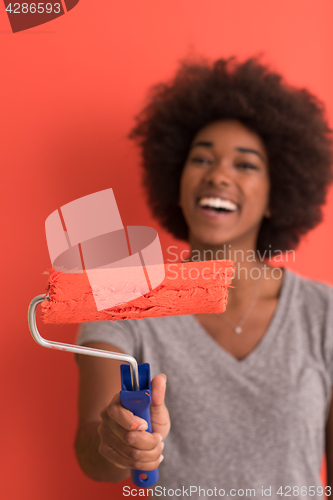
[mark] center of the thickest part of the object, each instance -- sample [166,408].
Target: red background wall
[69,91]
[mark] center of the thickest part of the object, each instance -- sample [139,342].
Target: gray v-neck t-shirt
[240,428]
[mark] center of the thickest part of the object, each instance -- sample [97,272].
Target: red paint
[77,303]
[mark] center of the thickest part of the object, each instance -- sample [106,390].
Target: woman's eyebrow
[248,150]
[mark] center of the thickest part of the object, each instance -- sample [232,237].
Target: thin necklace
[238,327]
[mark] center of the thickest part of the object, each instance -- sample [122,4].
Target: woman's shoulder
[311,284]
[313,293]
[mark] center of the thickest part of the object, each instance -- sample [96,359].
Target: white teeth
[218,203]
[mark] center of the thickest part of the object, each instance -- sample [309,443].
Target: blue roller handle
[138,402]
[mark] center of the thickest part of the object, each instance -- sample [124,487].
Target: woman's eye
[201,160]
[247,166]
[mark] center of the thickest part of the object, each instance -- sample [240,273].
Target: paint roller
[104,271]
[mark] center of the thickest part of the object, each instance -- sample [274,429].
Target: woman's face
[224,186]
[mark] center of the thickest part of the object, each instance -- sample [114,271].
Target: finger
[130,452]
[120,461]
[127,427]
[158,387]
[138,439]
[125,418]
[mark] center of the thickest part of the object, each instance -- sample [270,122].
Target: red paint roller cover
[188,288]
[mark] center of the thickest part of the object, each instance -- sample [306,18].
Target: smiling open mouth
[217,205]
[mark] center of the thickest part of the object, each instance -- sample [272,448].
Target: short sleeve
[322,311]
[327,330]
[121,334]
[315,305]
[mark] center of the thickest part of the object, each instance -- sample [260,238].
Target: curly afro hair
[290,121]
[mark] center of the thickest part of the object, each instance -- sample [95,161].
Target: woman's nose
[219,173]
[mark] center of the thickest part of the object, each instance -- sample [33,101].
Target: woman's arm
[329,446]
[107,443]
[99,382]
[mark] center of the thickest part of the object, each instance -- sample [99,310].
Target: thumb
[158,386]
[159,414]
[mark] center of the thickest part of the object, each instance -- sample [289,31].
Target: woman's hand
[123,438]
